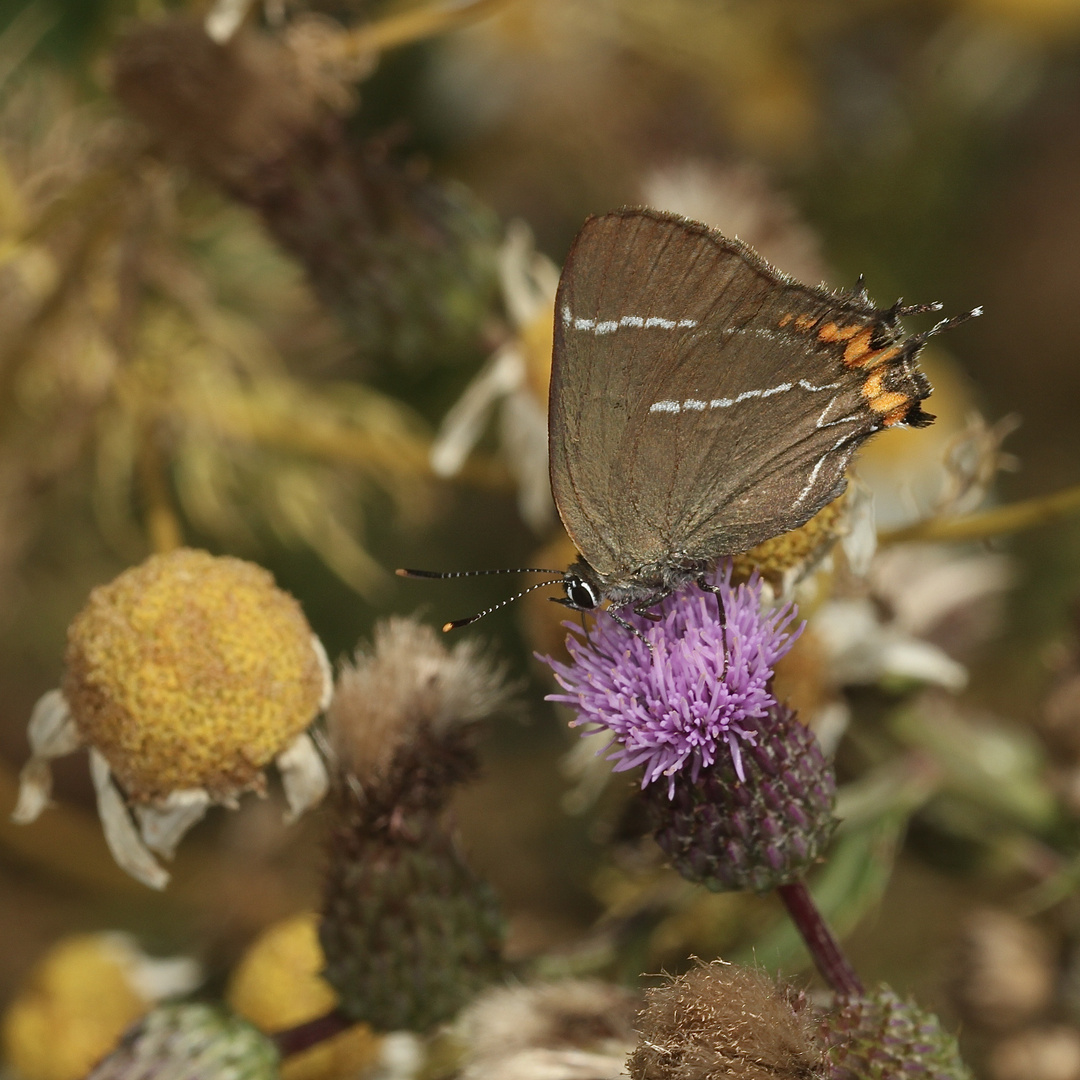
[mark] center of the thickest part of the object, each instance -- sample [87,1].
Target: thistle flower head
[682,700]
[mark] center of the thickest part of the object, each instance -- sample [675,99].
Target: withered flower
[184,677]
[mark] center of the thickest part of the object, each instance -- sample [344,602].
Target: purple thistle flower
[679,705]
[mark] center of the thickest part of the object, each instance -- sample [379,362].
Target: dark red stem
[296,1039]
[834,966]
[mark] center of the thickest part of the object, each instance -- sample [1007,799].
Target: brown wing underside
[700,401]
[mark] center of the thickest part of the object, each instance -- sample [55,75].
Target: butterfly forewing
[700,401]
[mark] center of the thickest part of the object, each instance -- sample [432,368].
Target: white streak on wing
[697,405]
[638,322]
[776,389]
[842,420]
[817,468]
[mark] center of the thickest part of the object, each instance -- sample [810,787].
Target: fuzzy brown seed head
[190,671]
[409,691]
[721,1022]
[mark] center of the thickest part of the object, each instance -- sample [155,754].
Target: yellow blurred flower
[78,1000]
[185,677]
[277,985]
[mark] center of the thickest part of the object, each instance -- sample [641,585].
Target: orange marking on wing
[831,332]
[876,358]
[897,415]
[888,403]
[858,347]
[805,322]
[785,319]
[871,387]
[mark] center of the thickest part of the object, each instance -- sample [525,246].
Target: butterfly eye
[580,594]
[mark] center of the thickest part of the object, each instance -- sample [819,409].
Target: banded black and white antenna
[441,575]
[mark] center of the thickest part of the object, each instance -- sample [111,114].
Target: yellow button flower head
[185,676]
[278,985]
[78,999]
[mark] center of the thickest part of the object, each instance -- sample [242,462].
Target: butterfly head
[582,588]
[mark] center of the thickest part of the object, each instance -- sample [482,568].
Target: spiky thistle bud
[409,932]
[756,830]
[722,1022]
[739,792]
[198,1042]
[879,1036]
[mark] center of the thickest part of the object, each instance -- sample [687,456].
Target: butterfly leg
[630,626]
[705,585]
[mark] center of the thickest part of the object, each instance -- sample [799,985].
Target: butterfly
[701,402]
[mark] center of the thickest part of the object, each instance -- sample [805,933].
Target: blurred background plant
[276,280]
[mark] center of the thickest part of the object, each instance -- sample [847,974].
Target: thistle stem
[295,1040]
[834,966]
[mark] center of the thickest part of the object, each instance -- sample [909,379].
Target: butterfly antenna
[458,623]
[441,574]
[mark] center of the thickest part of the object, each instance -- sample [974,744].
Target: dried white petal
[925,583]
[585,766]
[541,1063]
[401,1057]
[528,278]
[127,848]
[523,432]
[463,425]
[153,978]
[303,776]
[224,19]
[523,1032]
[914,659]
[829,725]
[327,673]
[165,823]
[862,650]
[860,541]
[52,733]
